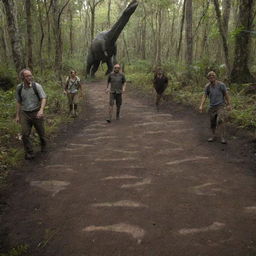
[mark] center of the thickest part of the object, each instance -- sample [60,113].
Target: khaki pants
[28,120]
[218,115]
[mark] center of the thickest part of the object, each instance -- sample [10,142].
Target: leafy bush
[21,250]
[244,107]
[11,151]
[7,78]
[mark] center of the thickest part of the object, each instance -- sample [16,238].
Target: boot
[75,108]
[117,113]
[70,109]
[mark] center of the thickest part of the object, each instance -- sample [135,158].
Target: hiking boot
[211,139]
[223,141]
[29,156]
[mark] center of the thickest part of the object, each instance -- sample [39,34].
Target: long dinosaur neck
[115,31]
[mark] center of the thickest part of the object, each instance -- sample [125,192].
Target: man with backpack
[31,101]
[219,102]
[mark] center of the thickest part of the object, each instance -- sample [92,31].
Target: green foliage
[7,77]
[21,250]
[73,63]
[11,151]
[244,107]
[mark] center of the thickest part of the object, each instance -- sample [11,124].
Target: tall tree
[223,32]
[226,14]
[158,61]
[181,29]
[71,34]
[14,34]
[189,35]
[240,72]
[93,4]
[57,12]
[40,21]
[29,34]
[47,12]
[109,10]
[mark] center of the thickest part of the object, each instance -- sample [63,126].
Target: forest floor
[149,184]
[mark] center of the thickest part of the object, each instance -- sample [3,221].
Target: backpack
[67,83]
[34,88]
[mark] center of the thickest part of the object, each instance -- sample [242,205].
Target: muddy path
[148,184]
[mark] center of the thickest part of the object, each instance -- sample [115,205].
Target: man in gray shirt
[219,101]
[31,101]
[115,87]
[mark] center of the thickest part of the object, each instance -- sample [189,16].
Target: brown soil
[148,184]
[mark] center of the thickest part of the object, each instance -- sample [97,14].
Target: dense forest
[179,34]
[187,38]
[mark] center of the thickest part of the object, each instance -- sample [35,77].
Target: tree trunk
[109,9]
[71,34]
[223,33]
[204,44]
[57,12]
[93,4]
[29,35]
[240,72]
[14,34]
[158,37]
[189,36]
[143,38]
[58,42]
[86,29]
[181,30]
[40,20]
[226,15]
[126,49]
[47,11]
[4,46]
[92,22]
[171,41]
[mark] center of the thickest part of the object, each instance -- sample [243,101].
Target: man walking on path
[71,89]
[219,102]
[115,87]
[160,84]
[31,101]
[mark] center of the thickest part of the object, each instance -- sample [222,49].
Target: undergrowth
[190,93]
[11,149]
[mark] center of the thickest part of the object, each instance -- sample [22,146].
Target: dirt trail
[147,184]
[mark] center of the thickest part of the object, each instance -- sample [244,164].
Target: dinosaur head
[117,28]
[130,9]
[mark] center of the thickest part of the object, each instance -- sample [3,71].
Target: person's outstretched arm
[201,107]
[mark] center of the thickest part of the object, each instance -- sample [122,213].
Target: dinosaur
[103,48]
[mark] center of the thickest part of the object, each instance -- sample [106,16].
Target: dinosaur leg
[110,66]
[88,69]
[95,68]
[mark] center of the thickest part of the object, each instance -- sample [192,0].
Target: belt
[36,110]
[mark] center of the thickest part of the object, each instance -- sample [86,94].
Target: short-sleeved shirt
[216,93]
[117,81]
[28,99]
[73,84]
